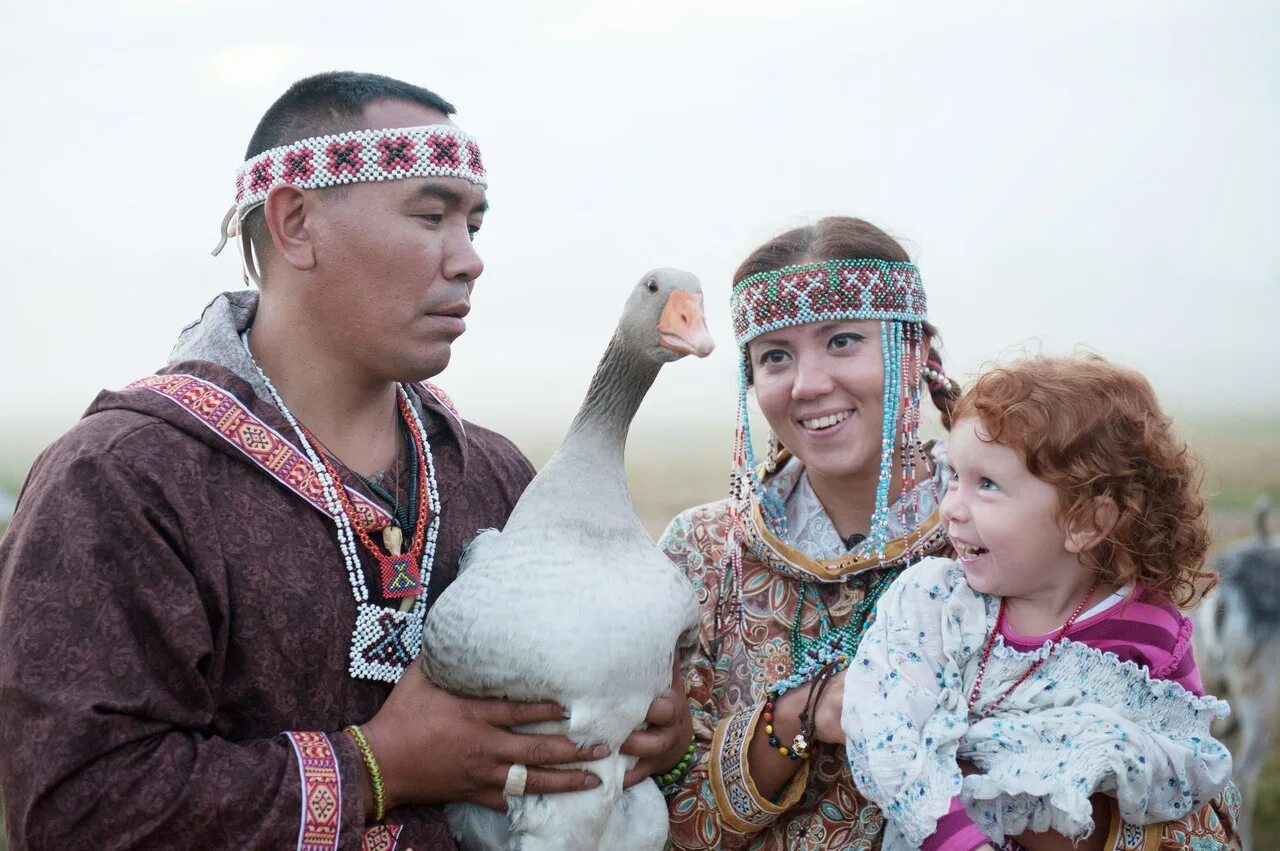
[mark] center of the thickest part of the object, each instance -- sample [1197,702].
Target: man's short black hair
[325,103]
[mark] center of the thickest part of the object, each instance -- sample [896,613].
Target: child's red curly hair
[1094,429]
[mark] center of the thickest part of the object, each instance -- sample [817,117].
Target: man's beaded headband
[433,150]
[821,292]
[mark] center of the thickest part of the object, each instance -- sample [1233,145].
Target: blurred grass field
[672,469]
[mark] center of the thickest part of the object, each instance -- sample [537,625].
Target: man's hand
[666,739]
[433,747]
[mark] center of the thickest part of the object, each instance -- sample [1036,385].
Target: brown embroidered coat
[168,611]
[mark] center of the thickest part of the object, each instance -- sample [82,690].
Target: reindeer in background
[1237,638]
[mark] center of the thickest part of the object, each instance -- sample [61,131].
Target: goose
[573,601]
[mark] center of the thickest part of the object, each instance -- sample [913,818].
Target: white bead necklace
[384,640]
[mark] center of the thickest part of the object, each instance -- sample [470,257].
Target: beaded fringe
[901,346]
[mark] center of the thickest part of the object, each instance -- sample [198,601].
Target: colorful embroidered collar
[918,532]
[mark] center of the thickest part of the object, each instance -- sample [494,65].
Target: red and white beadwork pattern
[433,150]
[224,414]
[321,791]
[822,292]
[381,837]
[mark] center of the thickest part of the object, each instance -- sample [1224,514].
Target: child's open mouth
[968,553]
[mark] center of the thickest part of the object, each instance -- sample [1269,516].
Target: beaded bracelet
[802,744]
[669,779]
[375,774]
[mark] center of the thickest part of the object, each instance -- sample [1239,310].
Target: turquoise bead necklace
[809,656]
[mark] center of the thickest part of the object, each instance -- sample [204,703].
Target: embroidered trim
[321,791]
[227,417]
[741,805]
[930,536]
[446,401]
[1131,837]
[381,837]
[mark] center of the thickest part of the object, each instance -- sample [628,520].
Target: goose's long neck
[617,389]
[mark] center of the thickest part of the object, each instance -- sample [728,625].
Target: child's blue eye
[987,484]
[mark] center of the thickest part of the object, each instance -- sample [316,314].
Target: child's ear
[1084,532]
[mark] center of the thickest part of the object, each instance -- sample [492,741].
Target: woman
[831,323]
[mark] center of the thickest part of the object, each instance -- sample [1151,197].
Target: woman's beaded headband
[821,292]
[433,150]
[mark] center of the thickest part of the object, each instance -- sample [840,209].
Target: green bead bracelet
[667,781]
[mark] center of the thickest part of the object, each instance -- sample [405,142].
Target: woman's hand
[666,739]
[826,716]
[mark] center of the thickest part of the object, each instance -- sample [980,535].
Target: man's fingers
[510,713]
[662,711]
[646,743]
[540,781]
[535,749]
[492,800]
[543,781]
[636,775]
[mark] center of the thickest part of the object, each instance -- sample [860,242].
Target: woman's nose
[812,380]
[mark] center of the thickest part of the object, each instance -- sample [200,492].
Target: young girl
[995,693]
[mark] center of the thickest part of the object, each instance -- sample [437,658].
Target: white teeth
[827,421]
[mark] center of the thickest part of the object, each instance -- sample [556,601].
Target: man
[222,568]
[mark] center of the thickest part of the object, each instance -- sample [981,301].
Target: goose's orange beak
[683,328]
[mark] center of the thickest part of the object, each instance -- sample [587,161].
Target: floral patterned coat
[716,806]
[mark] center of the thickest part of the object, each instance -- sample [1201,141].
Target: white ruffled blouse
[1084,722]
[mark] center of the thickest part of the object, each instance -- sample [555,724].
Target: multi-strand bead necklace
[384,640]
[821,657]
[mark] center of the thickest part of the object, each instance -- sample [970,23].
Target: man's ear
[285,212]
[1084,533]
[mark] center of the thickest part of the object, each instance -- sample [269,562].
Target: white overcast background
[1088,173]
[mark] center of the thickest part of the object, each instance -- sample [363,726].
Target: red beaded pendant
[400,573]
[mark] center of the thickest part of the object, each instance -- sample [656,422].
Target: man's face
[394,262]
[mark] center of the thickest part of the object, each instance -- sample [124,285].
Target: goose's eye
[652,285]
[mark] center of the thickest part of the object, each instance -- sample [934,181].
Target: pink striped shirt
[1139,628]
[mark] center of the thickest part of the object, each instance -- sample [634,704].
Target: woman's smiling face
[821,387]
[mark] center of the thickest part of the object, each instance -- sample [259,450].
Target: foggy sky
[1100,173]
